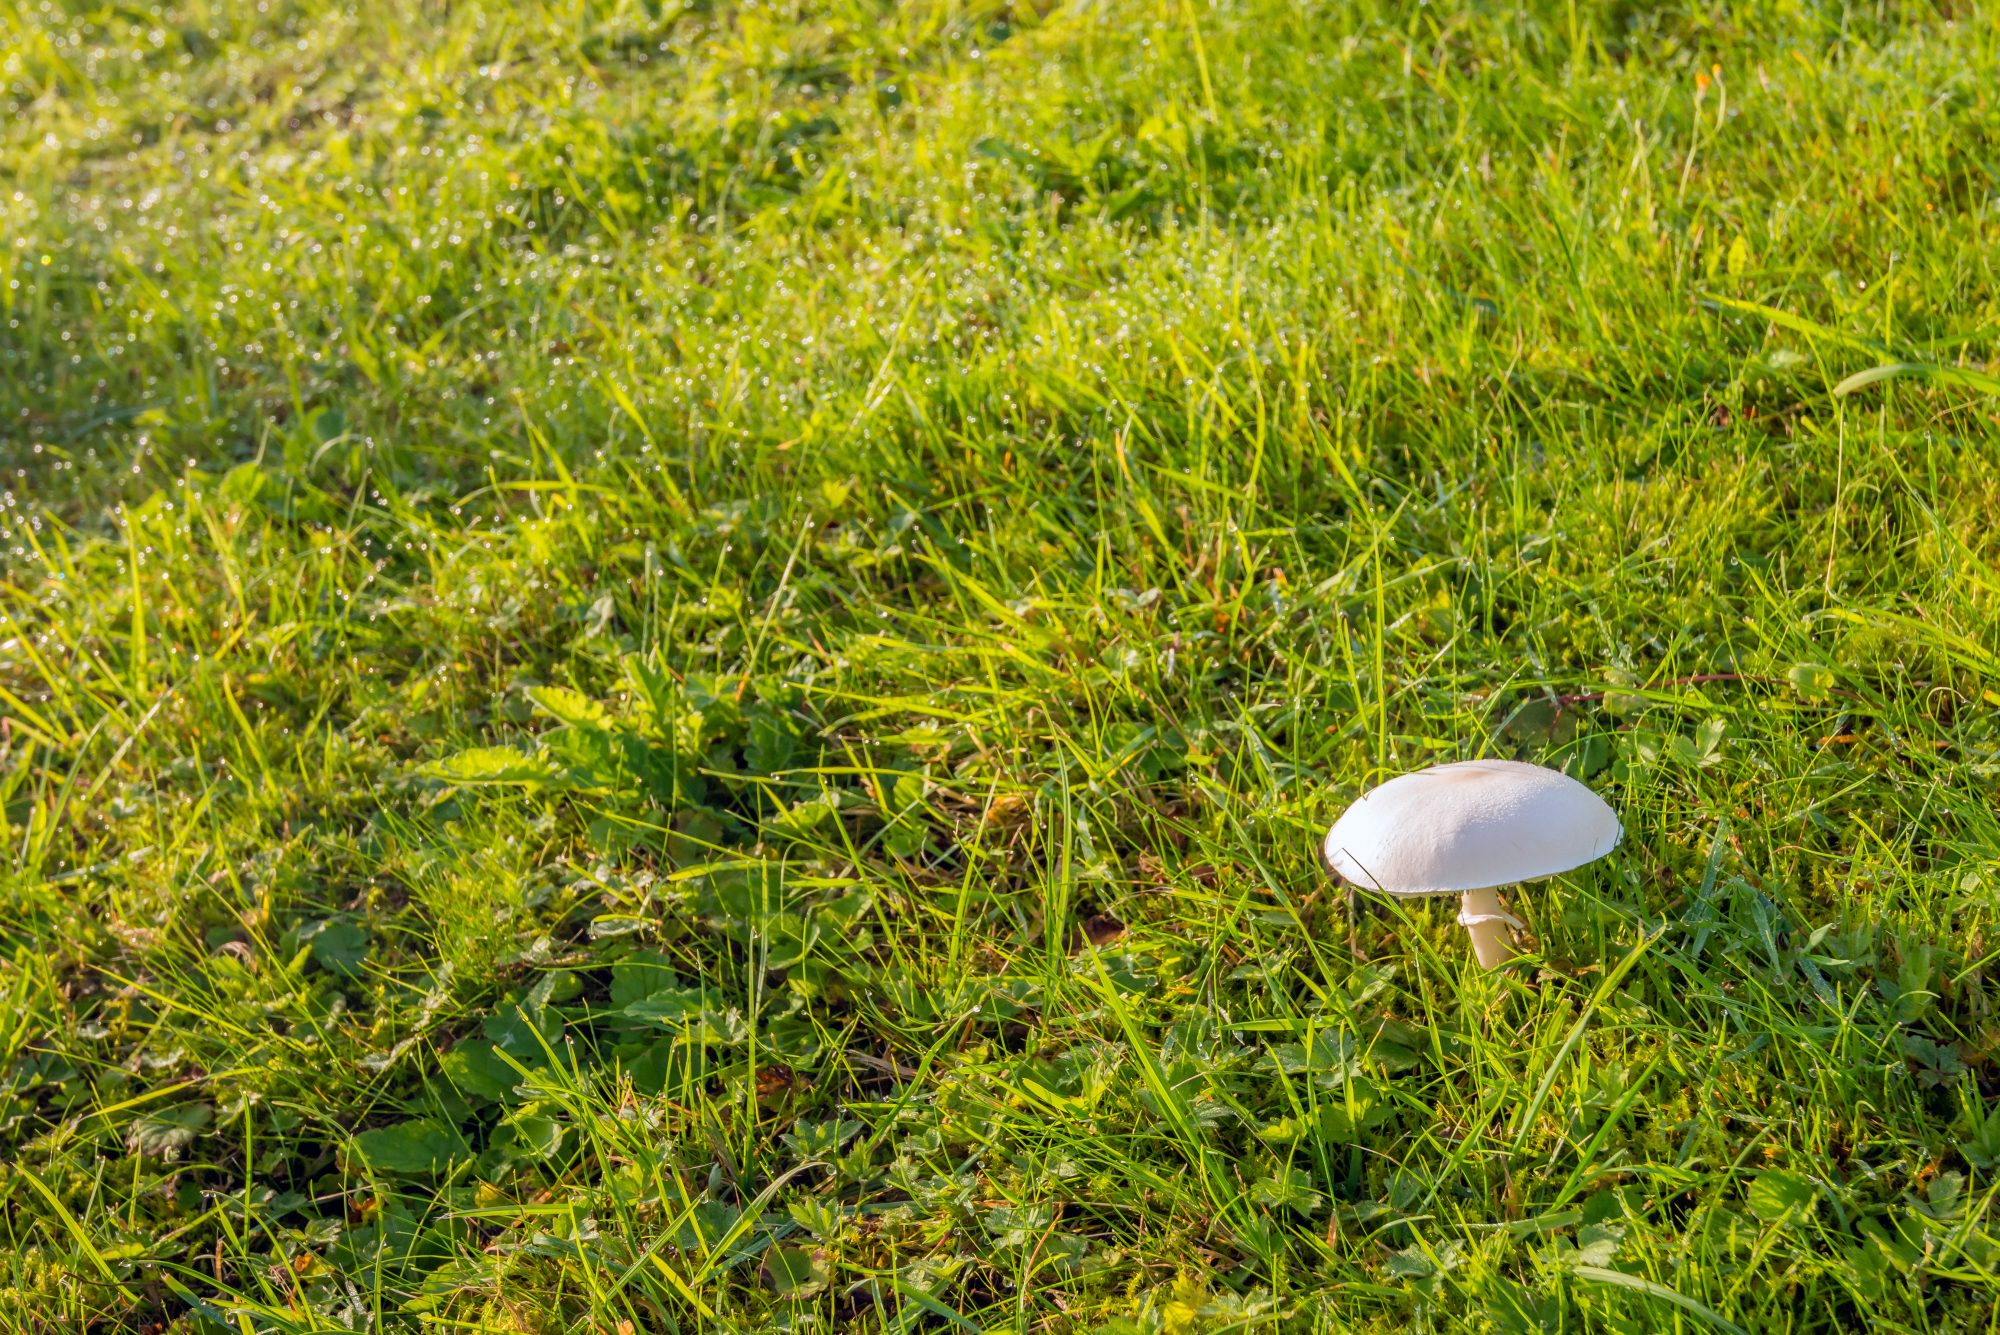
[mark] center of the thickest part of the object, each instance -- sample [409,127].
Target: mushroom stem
[1486,923]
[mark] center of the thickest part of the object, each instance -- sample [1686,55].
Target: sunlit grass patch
[681,667]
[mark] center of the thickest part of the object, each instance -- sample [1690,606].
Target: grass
[677,667]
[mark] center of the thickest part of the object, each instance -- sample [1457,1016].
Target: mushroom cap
[1470,826]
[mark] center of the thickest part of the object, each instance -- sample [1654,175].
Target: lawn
[678,667]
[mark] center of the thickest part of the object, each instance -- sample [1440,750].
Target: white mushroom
[1466,829]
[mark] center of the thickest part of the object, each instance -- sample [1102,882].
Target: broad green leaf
[340,946]
[795,1272]
[1982,1147]
[534,1133]
[1597,1244]
[720,1027]
[1810,680]
[1356,1107]
[524,1029]
[815,1140]
[242,483]
[168,1131]
[1944,1194]
[648,1064]
[491,764]
[640,975]
[822,1219]
[1019,1225]
[476,1070]
[772,743]
[1738,262]
[803,816]
[1288,1188]
[670,1007]
[417,1148]
[1418,1262]
[572,708]
[1776,1195]
[1329,1057]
